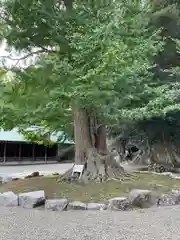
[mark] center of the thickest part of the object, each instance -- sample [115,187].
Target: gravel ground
[156,223]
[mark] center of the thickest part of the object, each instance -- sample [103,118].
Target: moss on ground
[93,192]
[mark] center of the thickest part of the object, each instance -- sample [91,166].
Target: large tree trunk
[82,136]
[100,140]
[90,143]
[91,149]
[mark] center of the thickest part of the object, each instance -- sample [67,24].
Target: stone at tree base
[119,203]
[139,198]
[31,199]
[8,199]
[56,204]
[172,198]
[96,206]
[77,205]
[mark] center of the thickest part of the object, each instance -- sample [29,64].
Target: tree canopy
[166,15]
[96,57]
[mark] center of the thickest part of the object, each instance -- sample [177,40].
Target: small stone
[96,206]
[118,203]
[56,174]
[8,199]
[28,176]
[31,199]
[172,198]
[15,179]
[77,205]
[142,198]
[56,204]
[35,174]
[7,179]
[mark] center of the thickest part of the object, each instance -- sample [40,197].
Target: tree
[92,66]
[156,134]
[166,15]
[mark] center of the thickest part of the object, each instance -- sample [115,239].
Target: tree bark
[159,156]
[165,155]
[100,140]
[82,136]
[91,150]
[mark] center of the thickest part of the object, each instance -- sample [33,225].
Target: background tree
[92,67]
[166,15]
[156,135]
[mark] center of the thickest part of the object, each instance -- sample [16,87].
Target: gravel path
[22,224]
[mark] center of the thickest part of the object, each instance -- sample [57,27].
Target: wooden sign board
[78,169]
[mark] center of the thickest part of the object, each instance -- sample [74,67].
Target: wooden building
[15,148]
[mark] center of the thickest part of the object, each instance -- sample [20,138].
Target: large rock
[119,203]
[31,199]
[172,198]
[77,205]
[56,204]
[142,198]
[8,199]
[96,206]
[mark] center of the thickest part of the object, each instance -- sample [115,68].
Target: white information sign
[78,169]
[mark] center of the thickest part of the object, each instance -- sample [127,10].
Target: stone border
[136,199]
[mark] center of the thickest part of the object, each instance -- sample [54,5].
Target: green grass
[93,192]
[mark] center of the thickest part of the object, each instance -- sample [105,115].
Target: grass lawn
[93,192]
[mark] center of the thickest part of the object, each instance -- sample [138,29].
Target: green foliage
[37,138]
[98,58]
[178,45]
[44,136]
[166,15]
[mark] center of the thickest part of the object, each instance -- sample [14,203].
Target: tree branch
[44,50]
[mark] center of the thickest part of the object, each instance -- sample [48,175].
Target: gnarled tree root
[98,168]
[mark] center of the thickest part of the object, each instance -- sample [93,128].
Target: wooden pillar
[45,154]
[33,152]
[20,152]
[59,150]
[4,154]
